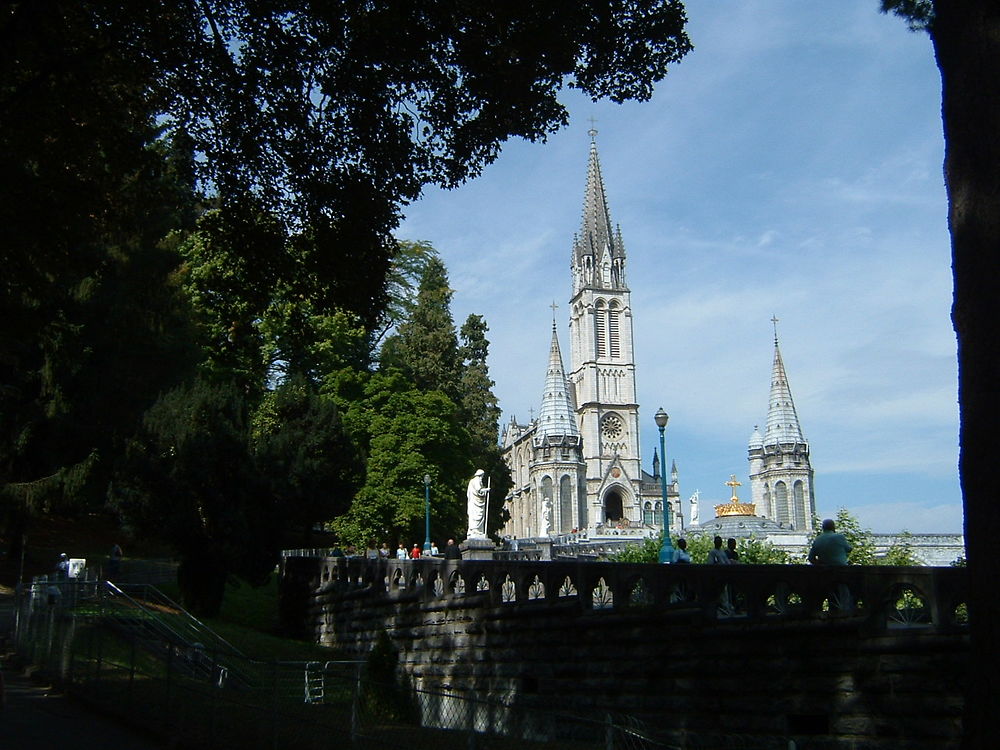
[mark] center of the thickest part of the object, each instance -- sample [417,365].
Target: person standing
[731,553]
[718,555]
[115,561]
[452,551]
[401,552]
[681,554]
[829,548]
[415,552]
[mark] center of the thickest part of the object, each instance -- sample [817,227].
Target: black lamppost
[666,549]
[427,514]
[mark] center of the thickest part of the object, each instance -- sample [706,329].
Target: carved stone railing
[880,597]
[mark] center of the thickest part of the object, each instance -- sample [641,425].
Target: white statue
[546,517]
[694,507]
[477,497]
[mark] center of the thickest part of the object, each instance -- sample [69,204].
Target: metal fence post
[274,707]
[609,733]
[356,704]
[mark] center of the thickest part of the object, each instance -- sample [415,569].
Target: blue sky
[790,166]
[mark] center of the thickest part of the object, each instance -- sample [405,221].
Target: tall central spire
[598,251]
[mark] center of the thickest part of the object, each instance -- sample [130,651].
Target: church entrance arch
[614,508]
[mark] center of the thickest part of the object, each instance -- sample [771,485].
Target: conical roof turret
[782,420]
[557,418]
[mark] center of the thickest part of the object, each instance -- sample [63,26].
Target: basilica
[576,468]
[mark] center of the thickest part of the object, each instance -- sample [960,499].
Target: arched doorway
[613,507]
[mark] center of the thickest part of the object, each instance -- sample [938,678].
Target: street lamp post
[427,513]
[666,549]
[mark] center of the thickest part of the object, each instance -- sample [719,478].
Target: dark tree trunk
[966,35]
[202,581]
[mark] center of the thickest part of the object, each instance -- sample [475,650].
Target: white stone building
[579,463]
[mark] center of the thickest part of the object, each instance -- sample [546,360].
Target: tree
[965,35]
[481,414]
[425,347]
[191,479]
[404,433]
[303,452]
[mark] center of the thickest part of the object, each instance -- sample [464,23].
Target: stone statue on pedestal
[477,498]
[546,517]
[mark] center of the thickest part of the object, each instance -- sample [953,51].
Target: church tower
[602,363]
[781,476]
[576,467]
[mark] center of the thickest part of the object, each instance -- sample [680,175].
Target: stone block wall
[837,658]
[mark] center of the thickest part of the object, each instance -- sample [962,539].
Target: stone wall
[831,658]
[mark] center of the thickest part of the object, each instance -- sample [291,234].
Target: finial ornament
[593,130]
[774,322]
[554,307]
[734,507]
[734,483]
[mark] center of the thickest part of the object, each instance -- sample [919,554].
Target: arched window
[647,514]
[781,502]
[799,504]
[565,505]
[600,328]
[614,345]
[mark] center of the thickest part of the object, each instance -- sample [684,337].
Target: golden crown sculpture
[734,507]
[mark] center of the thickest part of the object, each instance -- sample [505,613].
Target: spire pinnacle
[782,420]
[598,252]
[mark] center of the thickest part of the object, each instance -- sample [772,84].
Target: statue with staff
[478,500]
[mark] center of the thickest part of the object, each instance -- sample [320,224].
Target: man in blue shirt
[829,548]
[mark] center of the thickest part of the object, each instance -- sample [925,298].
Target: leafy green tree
[301,448]
[192,480]
[404,434]
[900,553]
[481,413]
[425,346]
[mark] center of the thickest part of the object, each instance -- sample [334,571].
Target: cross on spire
[774,322]
[593,130]
[734,483]
[554,307]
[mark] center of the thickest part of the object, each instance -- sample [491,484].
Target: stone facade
[705,655]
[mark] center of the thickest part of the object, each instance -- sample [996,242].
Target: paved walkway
[37,717]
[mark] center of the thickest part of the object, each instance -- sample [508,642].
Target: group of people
[717,556]
[829,548]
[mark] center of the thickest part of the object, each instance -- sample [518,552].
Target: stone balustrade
[873,657]
[880,596]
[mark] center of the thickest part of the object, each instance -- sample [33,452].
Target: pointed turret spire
[556,417]
[598,251]
[782,420]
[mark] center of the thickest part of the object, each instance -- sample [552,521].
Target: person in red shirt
[415,552]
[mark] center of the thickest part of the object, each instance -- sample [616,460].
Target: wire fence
[134,661]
